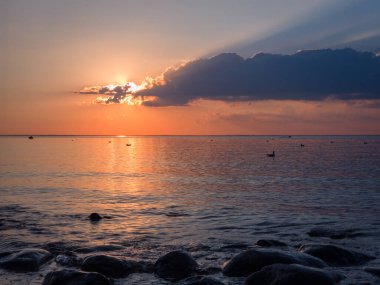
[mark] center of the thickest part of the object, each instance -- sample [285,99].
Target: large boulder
[73,277]
[292,274]
[108,266]
[175,265]
[253,260]
[334,255]
[26,260]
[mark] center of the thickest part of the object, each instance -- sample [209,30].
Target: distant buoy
[31,137]
[365,143]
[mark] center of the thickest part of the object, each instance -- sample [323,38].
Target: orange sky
[50,49]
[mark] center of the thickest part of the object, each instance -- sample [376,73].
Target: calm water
[197,193]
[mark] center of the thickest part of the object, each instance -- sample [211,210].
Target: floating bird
[365,143]
[271,154]
[128,144]
[31,137]
[109,141]
[289,136]
[331,141]
[302,145]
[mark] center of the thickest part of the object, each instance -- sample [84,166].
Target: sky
[122,67]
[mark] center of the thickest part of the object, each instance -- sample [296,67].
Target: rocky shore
[268,262]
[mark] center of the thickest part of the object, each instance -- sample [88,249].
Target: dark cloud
[115,93]
[343,74]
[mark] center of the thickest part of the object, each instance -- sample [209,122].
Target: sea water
[213,196]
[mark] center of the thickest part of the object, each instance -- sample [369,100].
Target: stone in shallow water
[292,274]
[334,233]
[175,265]
[73,277]
[373,270]
[334,255]
[109,266]
[94,217]
[200,280]
[26,260]
[110,247]
[252,260]
[270,242]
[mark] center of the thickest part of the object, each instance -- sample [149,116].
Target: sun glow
[121,93]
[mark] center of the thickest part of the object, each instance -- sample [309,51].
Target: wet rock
[26,260]
[68,259]
[73,277]
[200,280]
[108,266]
[269,243]
[253,260]
[292,274]
[175,265]
[100,248]
[94,217]
[333,233]
[373,270]
[334,255]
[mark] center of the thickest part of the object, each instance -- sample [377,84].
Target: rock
[200,280]
[108,266]
[269,243]
[94,217]
[373,270]
[334,255]
[73,277]
[333,233]
[253,260]
[292,274]
[175,265]
[91,249]
[26,260]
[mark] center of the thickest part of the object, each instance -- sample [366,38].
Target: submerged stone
[175,265]
[73,277]
[253,260]
[292,274]
[26,260]
[269,243]
[334,255]
[333,233]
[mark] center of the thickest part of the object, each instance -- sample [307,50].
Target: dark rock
[91,249]
[94,217]
[269,243]
[334,255]
[292,274]
[73,277]
[234,246]
[373,270]
[26,260]
[109,266]
[200,280]
[175,265]
[252,260]
[333,233]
